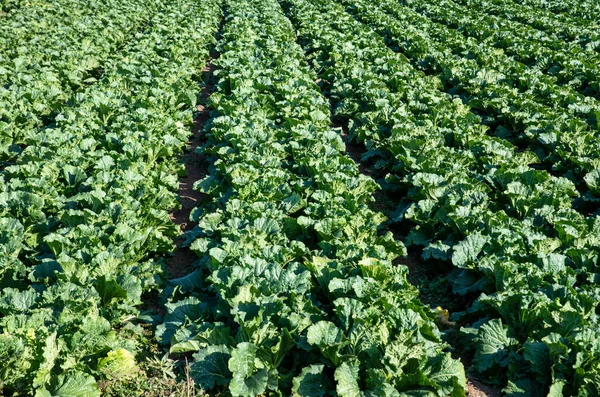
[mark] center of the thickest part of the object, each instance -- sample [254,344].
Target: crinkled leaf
[210,368]
[346,376]
[467,250]
[310,382]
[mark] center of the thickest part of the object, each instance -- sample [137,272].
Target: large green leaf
[492,343]
[449,374]
[250,377]
[310,382]
[466,251]
[249,387]
[328,338]
[209,368]
[73,384]
[109,289]
[346,376]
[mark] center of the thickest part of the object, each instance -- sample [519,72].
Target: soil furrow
[196,168]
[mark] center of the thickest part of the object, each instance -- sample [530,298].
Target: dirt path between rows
[196,167]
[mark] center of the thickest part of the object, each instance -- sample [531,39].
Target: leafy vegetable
[472,200]
[297,271]
[88,180]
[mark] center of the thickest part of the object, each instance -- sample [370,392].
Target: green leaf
[324,333]
[250,378]
[249,387]
[188,283]
[109,289]
[209,368]
[449,374]
[464,281]
[118,364]
[310,382]
[323,269]
[51,352]
[179,314]
[243,359]
[592,179]
[467,250]
[556,390]
[346,376]
[538,354]
[285,344]
[328,338]
[186,346]
[524,388]
[266,225]
[76,384]
[492,340]
[15,301]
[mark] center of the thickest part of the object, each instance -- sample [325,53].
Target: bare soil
[353,150]
[478,389]
[196,167]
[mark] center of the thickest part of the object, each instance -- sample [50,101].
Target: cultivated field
[396,198]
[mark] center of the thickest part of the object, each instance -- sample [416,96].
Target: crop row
[484,64]
[560,26]
[470,201]
[530,81]
[85,211]
[568,62]
[295,291]
[585,9]
[9,5]
[50,52]
[562,142]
